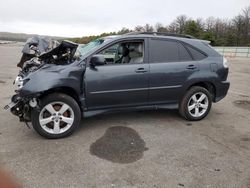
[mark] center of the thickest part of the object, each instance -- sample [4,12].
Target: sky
[77,18]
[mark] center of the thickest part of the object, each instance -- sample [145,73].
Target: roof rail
[160,34]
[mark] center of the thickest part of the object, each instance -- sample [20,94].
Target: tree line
[221,32]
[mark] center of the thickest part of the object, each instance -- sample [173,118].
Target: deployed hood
[39,51]
[65,48]
[35,46]
[42,45]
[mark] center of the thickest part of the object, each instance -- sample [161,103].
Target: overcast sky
[84,17]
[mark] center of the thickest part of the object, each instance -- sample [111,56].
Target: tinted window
[163,51]
[197,55]
[183,54]
[168,51]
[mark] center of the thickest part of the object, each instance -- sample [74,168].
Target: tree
[148,28]
[181,23]
[145,28]
[139,28]
[228,32]
[178,25]
[124,30]
[246,27]
[192,28]
[208,36]
[160,28]
[209,24]
[173,27]
[239,26]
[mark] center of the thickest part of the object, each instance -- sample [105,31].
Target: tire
[188,107]
[58,117]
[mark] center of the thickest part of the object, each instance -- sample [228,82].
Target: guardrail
[232,52]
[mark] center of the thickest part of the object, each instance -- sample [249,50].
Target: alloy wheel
[198,104]
[56,117]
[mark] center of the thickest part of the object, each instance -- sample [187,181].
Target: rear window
[167,51]
[196,54]
[163,51]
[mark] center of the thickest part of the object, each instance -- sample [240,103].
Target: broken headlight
[19,82]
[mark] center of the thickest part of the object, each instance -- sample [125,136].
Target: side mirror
[97,60]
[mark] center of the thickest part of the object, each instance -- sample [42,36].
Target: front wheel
[58,117]
[196,104]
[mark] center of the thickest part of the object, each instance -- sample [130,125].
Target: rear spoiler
[203,41]
[206,41]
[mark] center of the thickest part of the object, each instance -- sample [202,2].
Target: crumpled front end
[49,78]
[20,107]
[56,69]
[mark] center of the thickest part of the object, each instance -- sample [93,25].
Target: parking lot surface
[135,149]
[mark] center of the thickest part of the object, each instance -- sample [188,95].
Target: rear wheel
[59,116]
[196,104]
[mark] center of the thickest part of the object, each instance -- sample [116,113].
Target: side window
[197,55]
[172,51]
[124,52]
[163,51]
[110,53]
[183,54]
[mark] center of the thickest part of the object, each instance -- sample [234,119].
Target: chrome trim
[137,89]
[118,90]
[166,87]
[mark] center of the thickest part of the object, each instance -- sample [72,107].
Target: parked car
[119,73]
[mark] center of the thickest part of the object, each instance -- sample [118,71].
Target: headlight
[19,82]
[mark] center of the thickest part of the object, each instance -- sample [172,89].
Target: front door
[123,81]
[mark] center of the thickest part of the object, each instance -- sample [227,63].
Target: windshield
[84,49]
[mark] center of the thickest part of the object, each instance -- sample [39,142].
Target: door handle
[140,70]
[191,67]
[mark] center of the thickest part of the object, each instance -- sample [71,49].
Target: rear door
[170,66]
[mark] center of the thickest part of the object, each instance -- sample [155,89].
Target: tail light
[225,62]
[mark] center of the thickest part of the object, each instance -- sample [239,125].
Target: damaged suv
[128,72]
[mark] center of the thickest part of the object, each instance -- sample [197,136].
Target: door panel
[116,85]
[166,80]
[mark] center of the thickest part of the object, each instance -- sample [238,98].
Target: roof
[161,34]
[203,45]
[180,37]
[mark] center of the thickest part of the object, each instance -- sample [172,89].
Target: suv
[131,71]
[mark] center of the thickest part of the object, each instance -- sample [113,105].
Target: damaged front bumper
[20,107]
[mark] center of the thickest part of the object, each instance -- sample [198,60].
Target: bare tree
[148,28]
[181,23]
[239,25]
[160,28]
[210,24]
[200,23]
[246,29]
[139,28]
[173,27]
[178,25]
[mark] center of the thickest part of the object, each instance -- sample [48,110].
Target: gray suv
[119,73]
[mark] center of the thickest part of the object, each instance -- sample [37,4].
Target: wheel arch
[207,85]
[65,90]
